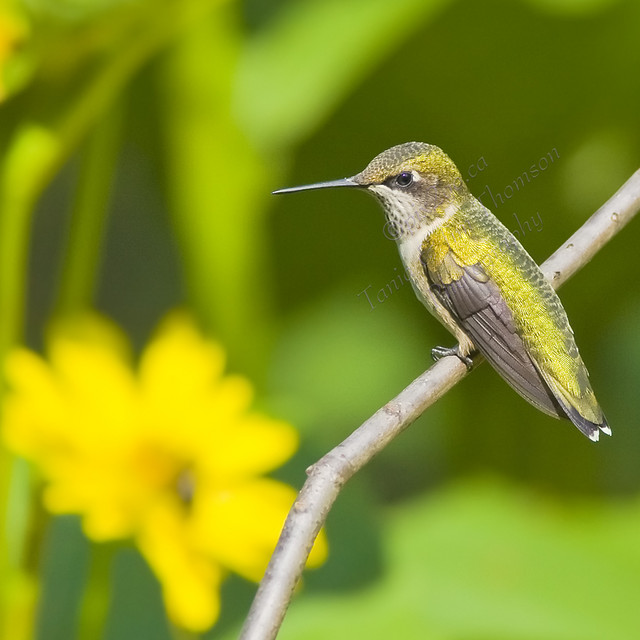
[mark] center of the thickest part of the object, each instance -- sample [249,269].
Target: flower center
[160,469]
[185,484]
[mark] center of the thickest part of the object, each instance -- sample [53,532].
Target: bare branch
[330,473]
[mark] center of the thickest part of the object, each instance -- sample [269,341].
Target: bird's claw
[442,352]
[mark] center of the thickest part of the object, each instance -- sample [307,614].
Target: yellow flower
[170,455]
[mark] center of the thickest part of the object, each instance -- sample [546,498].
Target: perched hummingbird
[472,274]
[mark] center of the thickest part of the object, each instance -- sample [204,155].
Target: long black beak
[343,182]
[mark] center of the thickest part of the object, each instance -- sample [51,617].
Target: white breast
[410,248]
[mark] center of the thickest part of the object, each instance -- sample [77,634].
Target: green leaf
[218,189]
[298,69]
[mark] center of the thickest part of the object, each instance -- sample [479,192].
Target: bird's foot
[442,352]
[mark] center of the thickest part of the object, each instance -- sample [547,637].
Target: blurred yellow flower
[170,454]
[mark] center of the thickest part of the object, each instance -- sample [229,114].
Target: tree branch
[327,476]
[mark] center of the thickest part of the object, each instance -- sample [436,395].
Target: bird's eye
[404,179]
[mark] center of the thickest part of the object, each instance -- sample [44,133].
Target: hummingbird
[475,277]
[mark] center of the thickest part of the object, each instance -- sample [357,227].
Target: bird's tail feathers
[583,411]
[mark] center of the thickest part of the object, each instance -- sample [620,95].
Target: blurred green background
[140,142]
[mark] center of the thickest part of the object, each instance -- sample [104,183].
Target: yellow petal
[99,385]
[240,527]
[190,581]
[92,330]
[31,379]
[178,361]
[253,446]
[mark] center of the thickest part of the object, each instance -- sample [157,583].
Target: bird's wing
[477,305]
